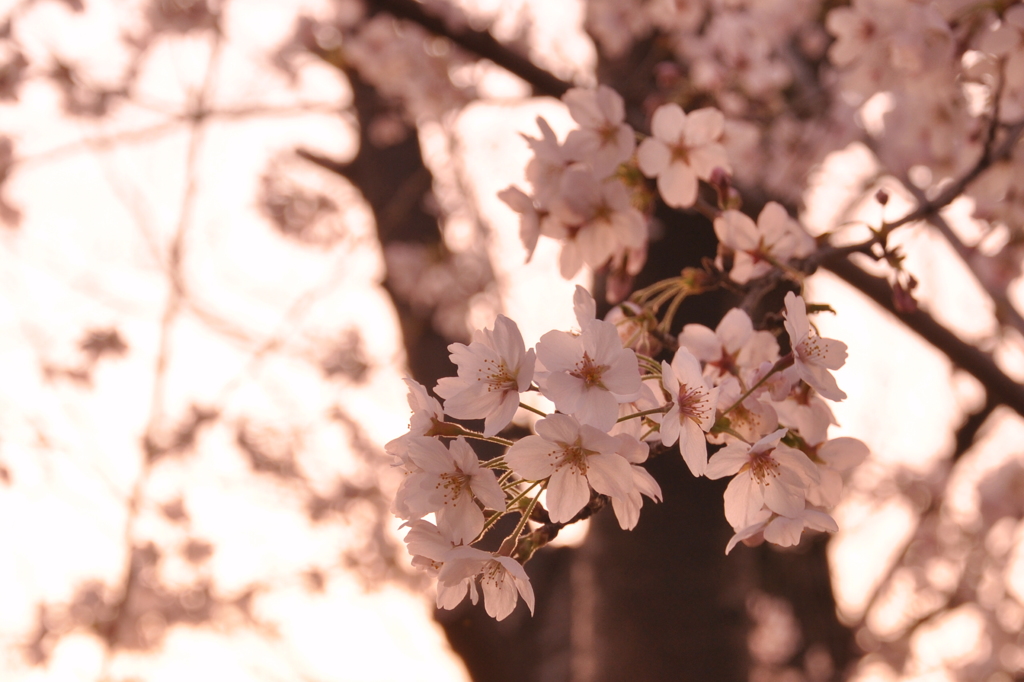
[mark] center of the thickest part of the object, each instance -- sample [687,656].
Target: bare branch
[1000,387]
[480,43]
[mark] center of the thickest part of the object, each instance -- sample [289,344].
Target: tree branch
[480,43]
[980,365]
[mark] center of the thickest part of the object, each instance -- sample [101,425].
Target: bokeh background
[201,357]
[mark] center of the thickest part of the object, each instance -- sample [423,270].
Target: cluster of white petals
[727,386]
[577,198]
[493,370]
[683,148]
[758,247]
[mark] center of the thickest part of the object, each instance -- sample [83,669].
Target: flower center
[692,402]
[451,485]
[575,456]
[764,467]
[589,372]
[680,152]
[811,349]
[498,376]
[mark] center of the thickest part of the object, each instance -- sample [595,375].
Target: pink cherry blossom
[693,409]
[627,509]
[502,580]
[529,218]
[683,148]
[576,457]
[733,345]
[426,410]
[604,139]
[588,374]
[774,238]
[430,549]
[450,483]
[813,356]
[767,474]
[784,531]
[834,458]
[493,370]
[593,219]
[545,169]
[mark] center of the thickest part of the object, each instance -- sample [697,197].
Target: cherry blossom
[430,548]
[834,458]
[449,483]
[784,531]
[529,218]
[731,346]
[683,148]
[767,473]
[426,410]
[576,457]
[502,580]
[775,238]
[813,356]
[604,140]
[750,416]
[588,374]
[594,220]
[627,509]
[693,409]
[545,169]
[493,370]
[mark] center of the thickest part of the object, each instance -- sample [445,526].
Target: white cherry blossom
[576,457]
[767,474]
[813,356]
[493,370]
[588,374]
[775,237]
[693,409]
[683,148]
[449,483]
[502,580]
[604,140]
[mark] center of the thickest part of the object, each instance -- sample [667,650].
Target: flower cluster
[625,387]
[729,386]
[578,198]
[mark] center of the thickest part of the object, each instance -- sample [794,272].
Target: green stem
[526,513]
[644,413]
[491,520]
[515,500]
[460,431]
[532,409]
[666,322]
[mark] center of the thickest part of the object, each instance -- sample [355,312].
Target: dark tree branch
[999,386]
[480,43]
